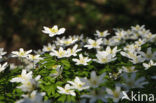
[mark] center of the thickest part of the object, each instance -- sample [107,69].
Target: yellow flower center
[67,90]
[137,27]
[129,69]
[104,60]
[149,55]
[22,53]
[79,85]
[61,53]
[131,55]
[94,82]
[28,84]
[101,33]
[82,61]
[94,44]
[67,42]
[53,30]
[120,34]
[116,94]
[48,48]
[33,57]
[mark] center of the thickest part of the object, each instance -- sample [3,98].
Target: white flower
[73,51]
[48,48]
[24,76]
[66,42]
[94,80]
[12,66]
[34,58]
[69,41]
[132,48]
[137,59]
[95,95]
[33,94]
[133,56]
[53,31]
[120,34]
[34,97]
[82,60]
[143,32]
[148,55]
[3,67]
[129,69]
[150,64]
[21,53]
[58,71]
[60,53]
[137,27]
[114,41]
[114,94]
[94,43]
[132,81]
[28,83]
[59,40]
[2,52]
[66,90]
[106,41]
[104,57]
[102,34]
[150,37]
[79,37]
[112,51]
[39,51]
[140,42]
[78,84]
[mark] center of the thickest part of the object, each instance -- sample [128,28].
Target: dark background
[21,21]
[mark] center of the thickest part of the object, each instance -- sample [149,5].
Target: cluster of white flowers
[28,83]
[21,53]
[132,51]
[69,89]
[104,49]
[82,84]
[26,54]
[61,53]
[29,59]
[106,56]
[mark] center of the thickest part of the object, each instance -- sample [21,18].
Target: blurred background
[21,21]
